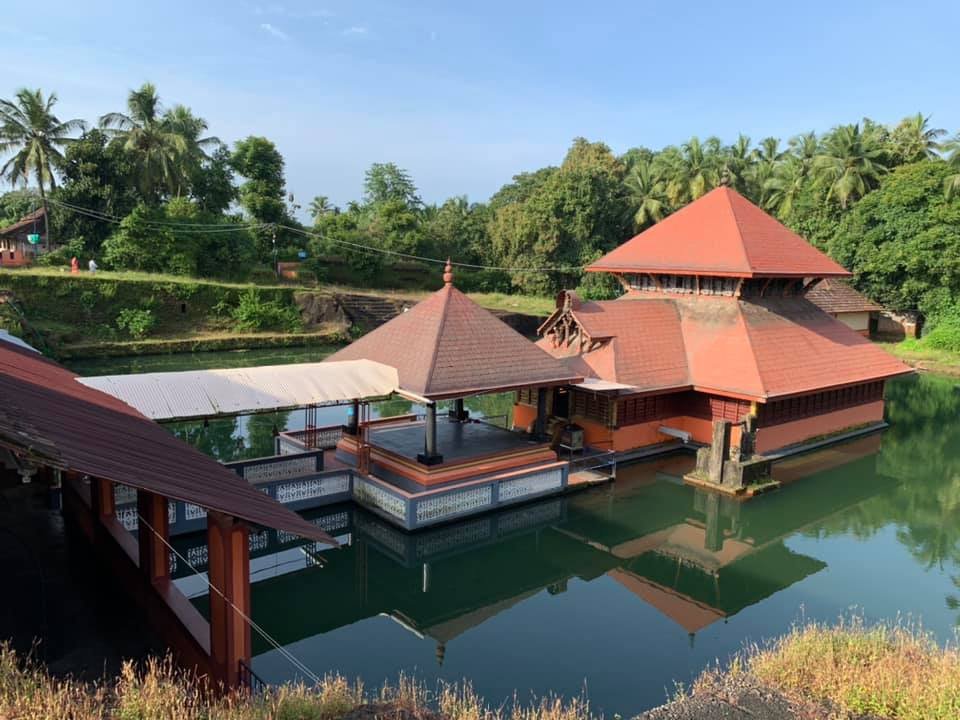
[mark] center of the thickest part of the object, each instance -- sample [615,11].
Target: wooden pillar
[229,573]
[541,424]
[102,502]
[154,553]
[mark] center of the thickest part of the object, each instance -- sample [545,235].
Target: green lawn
[919,355]
[526,304]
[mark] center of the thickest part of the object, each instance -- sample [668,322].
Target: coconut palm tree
[647,192]
[850,163]
[321,206]
[696,171]
[951,185]
[790,174]
[915,140]
[737,160]
[159,151]
[34,135]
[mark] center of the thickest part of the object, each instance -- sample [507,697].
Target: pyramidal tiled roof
[721,233]
[448,346]
[758,349]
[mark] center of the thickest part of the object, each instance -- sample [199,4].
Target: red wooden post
[229,572]
[102,501]
[154,553]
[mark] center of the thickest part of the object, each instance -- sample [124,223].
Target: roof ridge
[753,355]
[448,290]
[728,195]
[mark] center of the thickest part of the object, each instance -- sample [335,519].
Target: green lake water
[621,591]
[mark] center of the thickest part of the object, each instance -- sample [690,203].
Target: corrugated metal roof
[46,414]
[5,336]
[208,393]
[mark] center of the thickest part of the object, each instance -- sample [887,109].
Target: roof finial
[448,273]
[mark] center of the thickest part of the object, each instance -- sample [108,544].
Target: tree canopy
[152,188]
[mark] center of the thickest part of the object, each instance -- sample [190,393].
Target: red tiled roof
[448,346]
[651,359]
[26,221]
[757,349]
[838,296]
[47,414]
[722,233]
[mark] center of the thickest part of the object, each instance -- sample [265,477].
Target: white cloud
[355,30]
[275,31]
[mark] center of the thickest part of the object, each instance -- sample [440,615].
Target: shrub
[63,254]
[263,275]
[254,313]
[137,322]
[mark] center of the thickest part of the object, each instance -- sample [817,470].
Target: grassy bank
[111,314]
[888,671]
[161,692]
[923,357]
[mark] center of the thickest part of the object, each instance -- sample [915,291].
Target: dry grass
[894,671]
[161,691]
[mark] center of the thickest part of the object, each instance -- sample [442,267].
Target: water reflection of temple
[694,556]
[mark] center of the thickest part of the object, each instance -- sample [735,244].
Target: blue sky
[466,94]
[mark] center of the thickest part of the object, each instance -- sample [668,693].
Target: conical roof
[721,233]
[447,346]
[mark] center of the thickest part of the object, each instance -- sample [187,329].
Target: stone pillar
[540,426]
[719,450]
[229,573]
[154,553]
[430,455]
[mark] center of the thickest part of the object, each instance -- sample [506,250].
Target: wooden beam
[154,521]
[229,573]
[102,501]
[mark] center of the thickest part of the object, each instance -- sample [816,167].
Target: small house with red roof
[24,240]
[716,323]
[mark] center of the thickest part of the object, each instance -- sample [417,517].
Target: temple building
[715,324]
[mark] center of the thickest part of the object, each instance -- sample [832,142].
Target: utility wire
[214,228]
[298,664]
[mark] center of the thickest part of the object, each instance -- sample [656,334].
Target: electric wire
[205,228]
[290,657]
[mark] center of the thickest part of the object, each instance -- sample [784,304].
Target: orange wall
[789,433]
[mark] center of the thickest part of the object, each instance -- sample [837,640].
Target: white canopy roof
[598,385]
[5,336]
[208,393]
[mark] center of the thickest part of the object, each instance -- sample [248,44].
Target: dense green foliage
[150,190]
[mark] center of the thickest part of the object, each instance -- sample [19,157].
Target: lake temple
[714,341]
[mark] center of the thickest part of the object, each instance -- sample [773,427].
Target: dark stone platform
[455,441]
